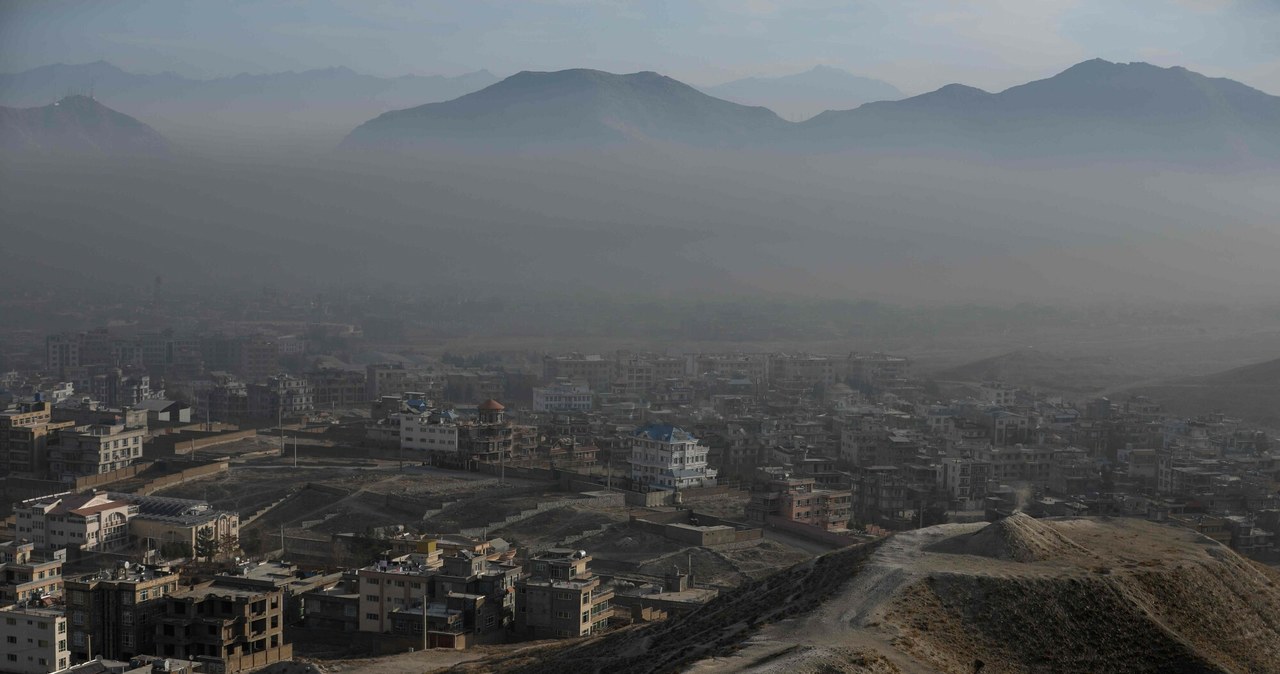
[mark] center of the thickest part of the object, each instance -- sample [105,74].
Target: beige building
[561,597]
[91,521]
[393,584]
[94,449]
[33,640]
[25,434]
[116,612]
[29,575]
[164,524]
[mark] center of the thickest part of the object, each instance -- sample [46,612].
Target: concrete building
[280,394]
[471,601]
[95,449]
[232,627]
[91,521]
[562,396]
[28,574]
[26,432]
[596,371]
[394,584]
[667,457]
[384,379]
[797,499]
[164,524]
[561,597]
[335,389]
[115,613]
[34,640]
[435,432]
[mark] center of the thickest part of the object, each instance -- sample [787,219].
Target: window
[371,616]
[371,597]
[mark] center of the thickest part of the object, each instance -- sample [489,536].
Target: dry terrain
[1019,595]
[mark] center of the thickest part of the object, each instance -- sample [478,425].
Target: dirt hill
[1251,392]
[1021,595]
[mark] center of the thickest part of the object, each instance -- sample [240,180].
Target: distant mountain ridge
[571,106]
[1096,110]
[803,95]
[77,126]
[311,108]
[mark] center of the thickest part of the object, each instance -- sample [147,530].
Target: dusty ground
[1022,595]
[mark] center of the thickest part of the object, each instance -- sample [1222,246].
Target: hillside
[77,126]
[1135,111]
[803,95]
[1063,595]
[1041,370]
[310,107]
[573,106]
[1251,393]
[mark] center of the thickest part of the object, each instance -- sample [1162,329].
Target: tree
[175,550]
[228,545]
[206,544]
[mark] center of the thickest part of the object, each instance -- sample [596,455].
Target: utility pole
[295,450]
[280,423]
[425,585]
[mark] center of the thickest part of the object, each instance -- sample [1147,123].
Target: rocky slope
[77,126]
[1020,595]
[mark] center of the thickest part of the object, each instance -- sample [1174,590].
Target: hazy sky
[917,45]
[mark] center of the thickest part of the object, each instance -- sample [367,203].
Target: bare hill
[1251,392]
[1065,595]
[1039,369]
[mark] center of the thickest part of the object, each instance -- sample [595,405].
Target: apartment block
[115,613]
[27,574]
[231,627]
[91,521]
[94,449]
[561,597]
[33,640]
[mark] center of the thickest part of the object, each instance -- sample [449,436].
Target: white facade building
[89,521]
[562,397]
[428,433]
[667,457]
[33,640]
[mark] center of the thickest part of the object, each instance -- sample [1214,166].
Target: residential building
[666,457]
[471,600]
[384,379]
[115,613]
[280,394]
[435,432]
[334,389]
[561,597]
[797,499]
[27,574]
[395,583]
[34,640]
[90,521]
[95,449]
[596,371]
[25,435]
[562,396]
[232,626]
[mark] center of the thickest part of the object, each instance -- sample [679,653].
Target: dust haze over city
[866,336]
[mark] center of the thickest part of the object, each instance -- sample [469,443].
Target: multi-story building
[167,525]
[384,379]
[255,358]
[666,457]
[337,388]
[34,640]
[281,394]
[394,584]
[596,371]
[797,499]
[114,614]
[471,600]
[25,434]
[27,574]
[562,396]
[94,449]
[561,597]
[435,433]
[92,521]
[232,627]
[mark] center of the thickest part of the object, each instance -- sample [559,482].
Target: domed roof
[491,405]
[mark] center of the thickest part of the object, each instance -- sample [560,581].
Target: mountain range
[1096,110]
[77,126]
[803,95]
[308,108]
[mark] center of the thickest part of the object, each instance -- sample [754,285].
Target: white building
[33,640]
[436,432]
[562,397]
[666,457]
[90,521]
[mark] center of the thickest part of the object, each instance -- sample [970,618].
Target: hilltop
[1061,595]
[573,106]
[77,126]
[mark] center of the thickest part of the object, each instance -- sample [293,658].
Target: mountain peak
[77,125]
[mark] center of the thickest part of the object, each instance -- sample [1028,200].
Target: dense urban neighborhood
[226,497]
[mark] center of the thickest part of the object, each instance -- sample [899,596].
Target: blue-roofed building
[666,457]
